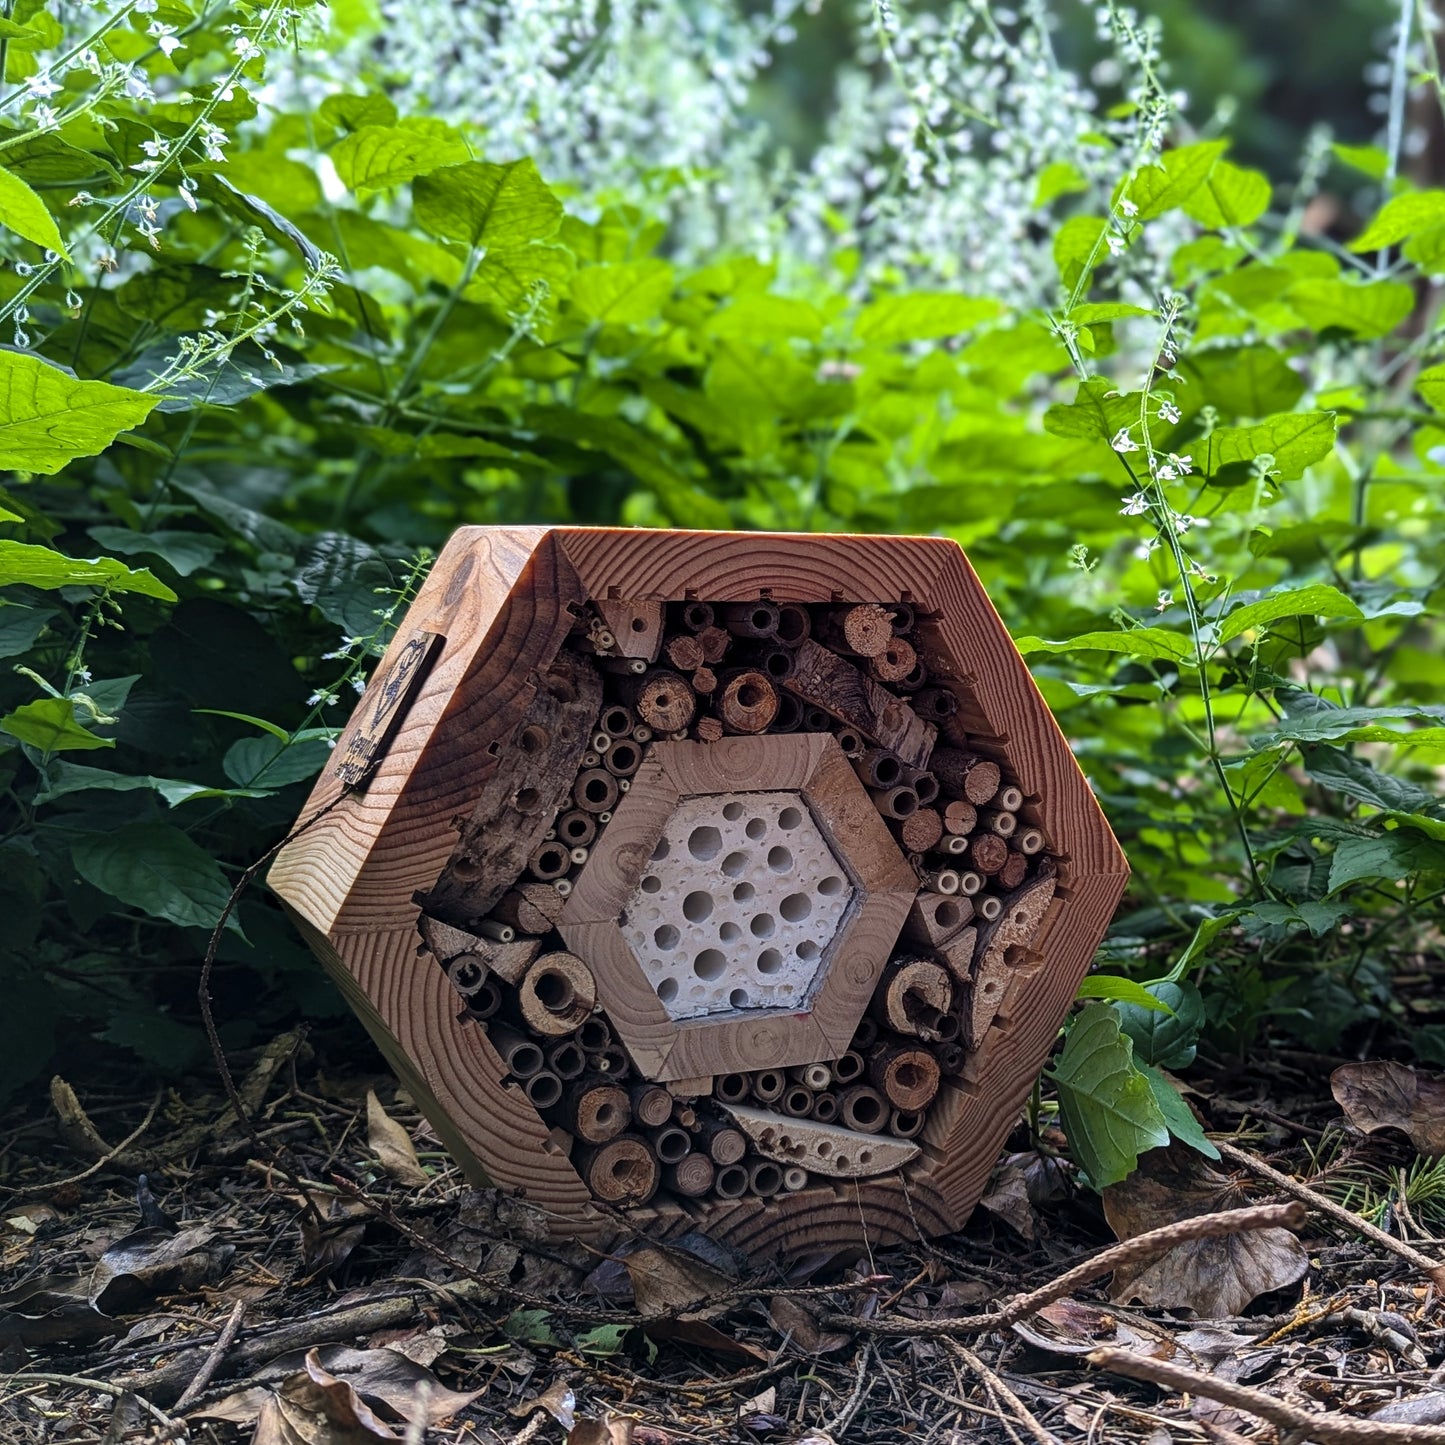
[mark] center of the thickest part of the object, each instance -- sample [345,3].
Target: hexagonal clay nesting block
[697,880]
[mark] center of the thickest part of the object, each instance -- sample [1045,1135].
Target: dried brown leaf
[610,1430]
[1216,1277]
[666,1279]
[312,1407]
[154,1261]
[1008,1198]
[798,1322]
[558,1400]
[690,1330]
[1382,1095]
[1071,1327]
[392,1144]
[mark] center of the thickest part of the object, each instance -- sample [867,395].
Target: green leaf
[1399,217]
[63,778]
[1107,1105]
[481,204]
[1167,1039]
[1371,160]
[1156,189]
[1091,313]
[48,418]
[1136,642]
[183,551]
[1059,178]
[32,566]
[625,294]
[1371,308]
[602,1340]
[21,626]
[1178,1116]
[1335,724]
[1250,381]
[156,868]
[1119,990]
[1079,246]
[1319,599]
[922,316]
[1392,856]
[1356,778]
[23,212]
[1230,196]
[1295,440]
[1096,414]
[266,763]
[50,725]
[530,1327]
[1431,385]
[377,156]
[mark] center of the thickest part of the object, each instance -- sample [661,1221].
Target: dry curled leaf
[153,1261]
[1072,1327]
[1008,1198]
[1382,1095]
[1216,1278]
[666,1278]
[610,1430]
[392,1144]
[800,1325]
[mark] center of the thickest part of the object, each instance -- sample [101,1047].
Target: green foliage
[274,359]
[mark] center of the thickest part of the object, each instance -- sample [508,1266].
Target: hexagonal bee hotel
[731,881]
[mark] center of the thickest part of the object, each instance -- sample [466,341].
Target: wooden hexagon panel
[709,880]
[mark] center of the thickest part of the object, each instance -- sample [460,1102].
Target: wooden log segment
[841,690]
[722,1143]
[518,802]
[958,954]
[534,907]
[959,817]
[987,852]
[863,630]
[977,779]
[684,652]
[907,1076]
[715,644]
[651,1105]
[709,729]
[692,1176]
[1013,872]
[935,918]
[556,993]
[914,998]
[635,626]
[509,961]
[923,830]
[825,1149]
[596,1111]
[661,698]
[746,701]
[1000,947]
[895,662]
[622,1171]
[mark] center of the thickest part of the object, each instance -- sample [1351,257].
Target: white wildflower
[1164,601]
[1123,442]
[41,87]
[1128,208]
[165,36]
[1134,506]
[1168,412]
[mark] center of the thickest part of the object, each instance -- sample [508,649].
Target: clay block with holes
[650,767]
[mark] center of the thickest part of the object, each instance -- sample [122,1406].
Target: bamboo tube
[878,768]
[623,758]
[848,1067]
[975,778]
[595,790]
[916,679]
[616,720]
[896,803]
[907,1076]
[611,1062]
[692,1176]
[812,1076]
[722,1143]
[731,1182]
[863,1109]
[651,1105]
[697,615]
[794,624]
[671,1143]
[902,617]
[864,1036]
[952,845]
[594,1034]
[943,880]
[731,1088]
[989,908]
[543,1089]
[485,1002]
[566,1059]
[1028,840]
[969,882]
[924,783]
[767,1085]
[556,993]
[749,619]
[622,1171]
[936,704]
[576,828]
[521,1055]
[795,1177]
[849,739]
[816,720]
[790,713]
[765,1179]
[825,1108]
[776,662]
[797,1101]
[746,701]
[496,930]
[951,1058]
[906,1123]
[595,1110]
[1009,798]
[995,820]
[467,973]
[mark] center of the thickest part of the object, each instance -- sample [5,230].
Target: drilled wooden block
[763,781]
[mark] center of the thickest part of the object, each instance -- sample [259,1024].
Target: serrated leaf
[374,157]
[1431,385]
[625,294]
[1248,381]
[1399,217]
[1059,178]
[156,868]
[922,316]
[50,724]
[24,563]
[1319,599]
[1356,778]
[486,205]
[1372,308]
[1167,1040]
[1335,724]
[48,418]
[1181,172]
[1391,856]
[23,212]
[268,762]
[1135,642]
[1295,440]
[1120,990]
[1108,1108]
[1096,413]
[1230,196]
[1178,1116]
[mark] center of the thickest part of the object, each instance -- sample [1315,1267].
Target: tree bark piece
[636,626]
[596,1111]
[914,998]
[622,1171]
[975,778]
[509,961]
[958,954]
[826,1149]
[662,699]
[908,1076]
[556,994]
[841,690]
[520,799]
[1000,947]
[747,702]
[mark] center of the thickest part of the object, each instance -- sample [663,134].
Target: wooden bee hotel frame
[732,881]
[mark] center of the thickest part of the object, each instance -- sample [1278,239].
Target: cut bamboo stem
[596,1111]
[556,994]
[622,1171]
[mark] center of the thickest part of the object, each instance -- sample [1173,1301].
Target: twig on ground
[861,1386]
[211,1363]
[1026,1417]
[1433,1269]
[1322,1428]
[1130,1251]
[108,1157]
[115,1389]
